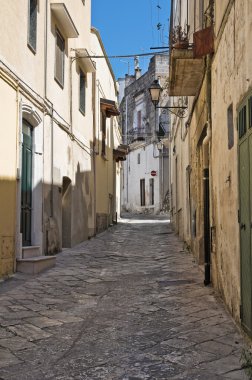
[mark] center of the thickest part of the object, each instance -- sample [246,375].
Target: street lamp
[155,92]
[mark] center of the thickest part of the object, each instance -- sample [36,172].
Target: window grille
[242,125]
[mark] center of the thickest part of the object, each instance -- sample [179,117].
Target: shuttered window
[32,24]
[59,58]
[230,125]
[142,192]
[151,191]
[139,119]
[82,94]
[103,128]
[242,122]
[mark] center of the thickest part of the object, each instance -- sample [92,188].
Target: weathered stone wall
[101,222]
[231,82]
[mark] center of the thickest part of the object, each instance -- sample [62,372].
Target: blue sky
[131,27]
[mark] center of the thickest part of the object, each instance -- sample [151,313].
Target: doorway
[245,213]
[66,212]
[26,184]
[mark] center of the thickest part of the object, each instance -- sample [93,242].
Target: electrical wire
[124,56]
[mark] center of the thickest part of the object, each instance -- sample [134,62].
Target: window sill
[58,82]
[32,49]
[82,112]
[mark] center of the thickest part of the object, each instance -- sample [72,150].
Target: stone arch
[30,114]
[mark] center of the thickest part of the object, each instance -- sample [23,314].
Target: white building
[145,174]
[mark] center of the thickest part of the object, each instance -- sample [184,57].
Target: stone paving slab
[129,304]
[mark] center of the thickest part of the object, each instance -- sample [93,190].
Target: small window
[139,119]
[242,125]
[59,58]
[138,158]
[32,24]
[230,126]
[82,94]
[142,192]
[151,191]
[103,128]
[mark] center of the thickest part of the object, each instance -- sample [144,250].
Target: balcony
[187,64]
[61,14]
[186,72]
[137,134]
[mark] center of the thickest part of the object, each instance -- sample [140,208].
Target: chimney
[137,68]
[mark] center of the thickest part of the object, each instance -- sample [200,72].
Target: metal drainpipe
[207,245]
[94,144]
[206,157]
[127,162]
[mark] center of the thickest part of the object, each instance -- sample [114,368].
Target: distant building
[145,172]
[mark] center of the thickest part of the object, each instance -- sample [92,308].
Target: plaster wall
[107,177]
[180,180]
[135,172]
[8,177]
[15,51]
[231,82]
[60,95]
[197,132]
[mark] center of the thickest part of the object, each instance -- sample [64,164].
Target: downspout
[45,51]
[207,245]
[126,125]
[94,145]
[44,248]
[18,243]
[206,161]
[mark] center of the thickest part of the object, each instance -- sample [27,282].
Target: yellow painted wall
[8,123]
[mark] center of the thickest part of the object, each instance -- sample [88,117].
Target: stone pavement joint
[129,304]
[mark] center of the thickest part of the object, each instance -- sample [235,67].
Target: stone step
[31,251]
[35,265]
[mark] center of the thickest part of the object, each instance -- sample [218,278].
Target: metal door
[26,184]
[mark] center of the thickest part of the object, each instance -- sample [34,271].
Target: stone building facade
[48,130]
[212,72]
[145,174]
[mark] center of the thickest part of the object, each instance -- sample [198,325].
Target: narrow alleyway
[127,305]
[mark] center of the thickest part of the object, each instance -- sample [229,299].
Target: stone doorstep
[31,251]
[35,265]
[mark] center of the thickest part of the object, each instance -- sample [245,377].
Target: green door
[26,184]
[245,195]
[245,168]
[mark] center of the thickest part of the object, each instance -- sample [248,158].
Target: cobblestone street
[129,304]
